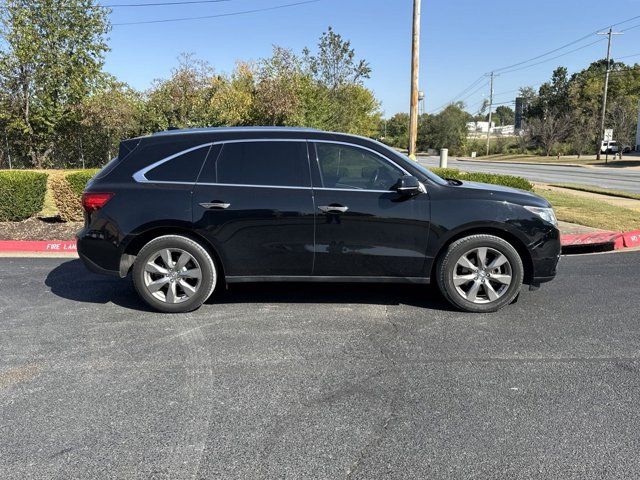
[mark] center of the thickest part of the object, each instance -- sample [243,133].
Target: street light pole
[610,33]
[415,67]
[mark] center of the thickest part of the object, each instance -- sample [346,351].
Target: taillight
[92,201]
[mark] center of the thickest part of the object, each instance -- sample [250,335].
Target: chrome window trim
[210,184]
[140,175]
[362,148]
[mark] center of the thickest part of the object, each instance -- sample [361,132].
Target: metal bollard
[444,155]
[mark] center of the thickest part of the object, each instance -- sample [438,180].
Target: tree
[51,58]
[279,89]
[622,117]
[549,130]
[582,136]
[108,116]
[335,64]
[397,130]
[182,100]
[504,115]
[233,99]
[447,129]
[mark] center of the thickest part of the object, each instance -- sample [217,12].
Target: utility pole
[490,109]
[415,67]
[610,33]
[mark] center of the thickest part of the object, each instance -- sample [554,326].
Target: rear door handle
[333,209]
[215,205]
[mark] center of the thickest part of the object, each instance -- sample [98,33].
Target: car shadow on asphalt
[71,280]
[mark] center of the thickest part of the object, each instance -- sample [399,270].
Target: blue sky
[461,40]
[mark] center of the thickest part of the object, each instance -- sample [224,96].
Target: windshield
[421,168]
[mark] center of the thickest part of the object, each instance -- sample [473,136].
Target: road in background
[605,177]
[319,381]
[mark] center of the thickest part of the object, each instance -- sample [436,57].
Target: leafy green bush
[67,193]
[21,194]
[78,180]
[505,180]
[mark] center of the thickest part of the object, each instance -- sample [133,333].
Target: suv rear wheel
[174,274]
[480,273]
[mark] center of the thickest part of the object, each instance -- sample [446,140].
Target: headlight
[547,214]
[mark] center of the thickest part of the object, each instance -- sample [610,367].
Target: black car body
[287,204]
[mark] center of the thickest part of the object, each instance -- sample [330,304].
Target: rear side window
[264,163]
[184,167]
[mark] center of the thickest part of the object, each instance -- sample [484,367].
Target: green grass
[590,212]
[601,191]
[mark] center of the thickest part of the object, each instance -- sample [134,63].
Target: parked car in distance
[609,147]
[185,210]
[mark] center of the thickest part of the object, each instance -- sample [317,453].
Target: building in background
[479,127]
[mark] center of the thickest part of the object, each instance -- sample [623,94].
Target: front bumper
[545,256]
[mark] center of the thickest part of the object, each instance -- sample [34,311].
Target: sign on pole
[608,134]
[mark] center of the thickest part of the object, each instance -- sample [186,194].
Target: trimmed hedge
[67,193]
[493,178]
[21,194]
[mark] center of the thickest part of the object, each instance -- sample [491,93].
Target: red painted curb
[616,239]
[38,246]
[631,239]
[597,238]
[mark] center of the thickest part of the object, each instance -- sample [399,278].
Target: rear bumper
[98,254]
[95,268]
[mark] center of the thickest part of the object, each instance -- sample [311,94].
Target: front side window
[280,164]
[184,167]
[350,167]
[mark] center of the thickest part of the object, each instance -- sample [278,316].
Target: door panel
[259,212]
[363,228]
[381,234]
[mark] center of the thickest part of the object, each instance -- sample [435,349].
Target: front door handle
[215,205]
[333,209]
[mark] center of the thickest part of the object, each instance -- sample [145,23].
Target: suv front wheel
[174,274]
[480,273]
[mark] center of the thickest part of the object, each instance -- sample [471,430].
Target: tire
[174,274]
[480,290]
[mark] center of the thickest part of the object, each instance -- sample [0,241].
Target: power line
[567,45]
[232,14]
[511,68]
[630,28]
[160,4]
[457,97]
[553,58]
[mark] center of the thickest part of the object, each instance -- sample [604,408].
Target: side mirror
[408,185]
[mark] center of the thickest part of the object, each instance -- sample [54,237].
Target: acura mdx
[186,210]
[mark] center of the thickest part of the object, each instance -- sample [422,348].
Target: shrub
[67,192]
[505,180]
[21,194]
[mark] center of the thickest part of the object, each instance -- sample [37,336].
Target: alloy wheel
[172,275]
[482,275]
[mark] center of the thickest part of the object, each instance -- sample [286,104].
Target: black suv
[185,210]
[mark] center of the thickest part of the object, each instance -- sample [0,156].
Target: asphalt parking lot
[313,381]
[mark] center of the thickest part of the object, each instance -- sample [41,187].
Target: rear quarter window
[182,167]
